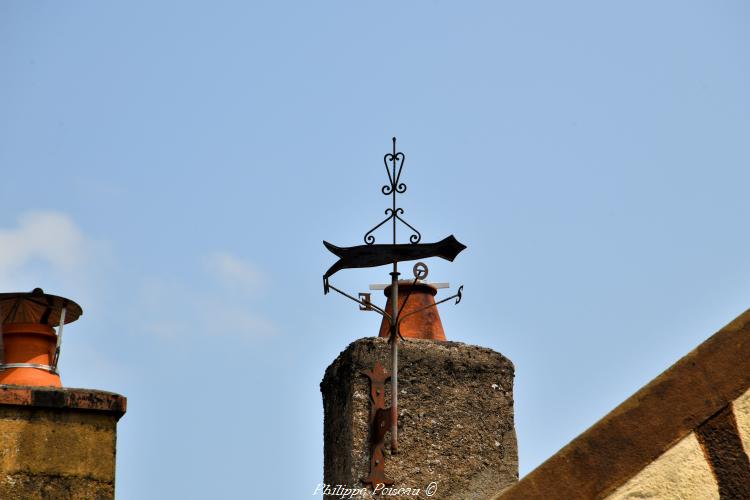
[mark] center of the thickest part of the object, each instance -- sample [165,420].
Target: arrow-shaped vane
[378,255]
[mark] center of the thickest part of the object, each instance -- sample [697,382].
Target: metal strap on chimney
[8,366]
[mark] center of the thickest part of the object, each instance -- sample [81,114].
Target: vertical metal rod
[59,338]
[394,361]
[2,344]
[394,321]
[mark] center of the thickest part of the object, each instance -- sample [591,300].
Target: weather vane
[373,254]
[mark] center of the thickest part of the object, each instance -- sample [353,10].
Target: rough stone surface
[681,472]
[52,451]
[741,408]
[722,446]
[31,487]
[455,418]
[68,398]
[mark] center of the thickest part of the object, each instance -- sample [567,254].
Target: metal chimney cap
[37,307]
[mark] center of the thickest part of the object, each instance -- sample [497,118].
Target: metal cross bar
[368,305]
[458,295]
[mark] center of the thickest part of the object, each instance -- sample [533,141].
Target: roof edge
[648,423]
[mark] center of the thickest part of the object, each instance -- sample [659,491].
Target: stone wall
[455,418]
[710,463]
[681,472]
[58,443]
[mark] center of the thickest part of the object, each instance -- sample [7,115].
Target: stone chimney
[456,434]
[55,442]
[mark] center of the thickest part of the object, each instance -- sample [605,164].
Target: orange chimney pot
[425,324]
[29,345]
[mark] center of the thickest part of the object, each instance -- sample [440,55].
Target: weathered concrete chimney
[456,433]
[55,442]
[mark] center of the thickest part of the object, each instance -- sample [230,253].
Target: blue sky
[174,167]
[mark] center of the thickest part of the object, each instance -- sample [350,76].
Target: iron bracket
[380,423]
[364,305]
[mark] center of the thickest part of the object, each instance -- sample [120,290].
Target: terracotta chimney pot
[425,324]
[29,345]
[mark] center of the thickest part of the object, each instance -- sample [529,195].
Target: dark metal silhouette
[378,255]
[371,255]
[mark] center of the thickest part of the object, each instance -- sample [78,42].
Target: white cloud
[43,247]
[48,249]
[173,309]
[197,315]
[234,318]
[234,272]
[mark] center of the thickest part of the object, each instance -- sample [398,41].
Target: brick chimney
[456,433]
[55,442]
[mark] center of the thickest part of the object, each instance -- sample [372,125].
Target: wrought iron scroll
[394,187]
